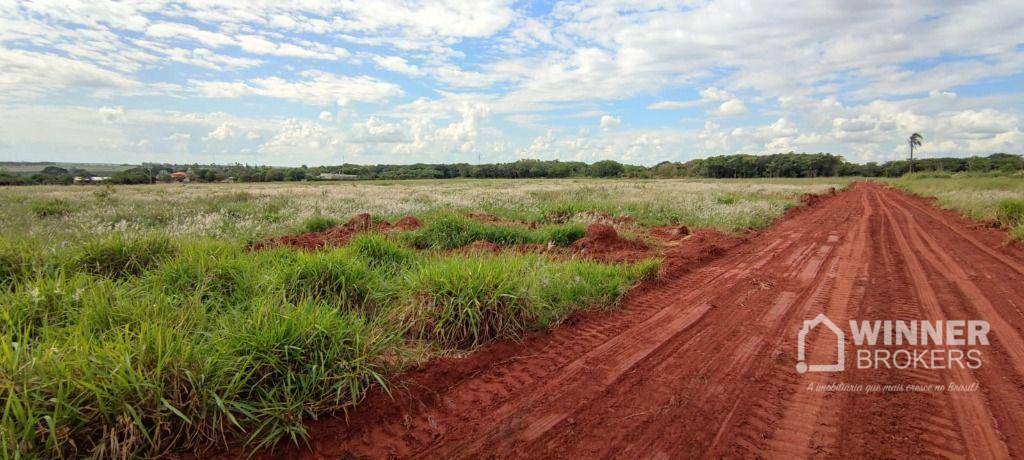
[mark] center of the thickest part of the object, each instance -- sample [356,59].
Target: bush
[54,207]
[318,224]
[332,277]
[1010,212]
[118,257]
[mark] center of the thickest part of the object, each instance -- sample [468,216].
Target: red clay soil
[702,363]
[338,236]
[603,243]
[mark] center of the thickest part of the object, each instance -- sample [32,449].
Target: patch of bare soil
[338,236]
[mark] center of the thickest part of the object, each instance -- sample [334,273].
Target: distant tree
[914,141]
[605,168]
[163,176]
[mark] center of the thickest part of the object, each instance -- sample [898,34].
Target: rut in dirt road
[704,364]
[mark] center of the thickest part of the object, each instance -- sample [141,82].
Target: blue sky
[315,82]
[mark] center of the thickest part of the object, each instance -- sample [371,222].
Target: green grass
[318,224]
[465,301]
[146,346]
[136,324]
[54,207]
[450,230]
[116,256]
[979,197]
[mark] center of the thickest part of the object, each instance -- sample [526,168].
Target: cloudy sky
[388,81]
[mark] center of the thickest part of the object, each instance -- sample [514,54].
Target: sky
[388,81]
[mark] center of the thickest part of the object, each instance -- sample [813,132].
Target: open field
[247,212]
[152,320]
[703,364]
[139,321]
[996,199]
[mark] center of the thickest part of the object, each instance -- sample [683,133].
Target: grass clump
[290,362]
[118,257]
[208,275]
[380,252]
[143,391]
[18,259]
[1010,212]
[54,207]
[465,301]
[333,277]
[450,231]
[318,224]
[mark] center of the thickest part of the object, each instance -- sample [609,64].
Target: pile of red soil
[670,233]
[603,243]
[696,250]
[407,223]
[338,236]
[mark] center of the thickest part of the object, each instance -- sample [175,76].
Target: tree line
[723,166]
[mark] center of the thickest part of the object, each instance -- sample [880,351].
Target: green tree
[914,141]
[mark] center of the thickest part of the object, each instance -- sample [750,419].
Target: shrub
[118,256]
[332,277]
[318,224]
[54,207]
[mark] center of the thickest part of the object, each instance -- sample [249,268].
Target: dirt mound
[407,223]
[696,250]
[671,232]
[480,246]
[338,236]
[603,243]
[360,222]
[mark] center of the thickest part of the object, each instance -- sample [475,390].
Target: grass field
[137,322]
[998,199]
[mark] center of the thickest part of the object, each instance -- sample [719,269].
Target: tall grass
[464,301]
[193,343]
[450,230]
[978,196]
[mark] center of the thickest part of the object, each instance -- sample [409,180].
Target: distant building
[179,177]
[81,180]
[337,176]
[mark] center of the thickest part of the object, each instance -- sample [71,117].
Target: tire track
[703,365]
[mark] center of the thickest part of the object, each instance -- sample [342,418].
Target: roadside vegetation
[983,197]
[137,321]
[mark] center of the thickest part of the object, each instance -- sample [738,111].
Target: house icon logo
[801,348]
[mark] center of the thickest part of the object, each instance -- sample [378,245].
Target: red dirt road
[703,364]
